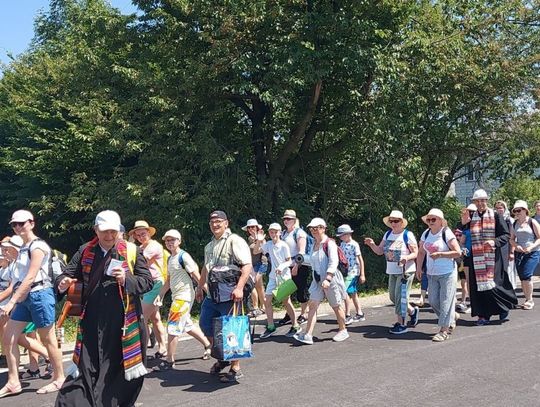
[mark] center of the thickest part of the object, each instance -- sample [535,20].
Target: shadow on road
[190,380]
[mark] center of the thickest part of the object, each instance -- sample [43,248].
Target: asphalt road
[494,365]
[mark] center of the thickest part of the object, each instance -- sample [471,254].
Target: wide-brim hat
[397,215]
[521,204]
[252,222]
[142,224]
[289,214]
[437,213]
[343,230]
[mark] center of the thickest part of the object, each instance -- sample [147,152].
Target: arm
[420,260]
[453,252]
[140,281]
[242,256]
[362,275]
[4,295]
[333,261]
[536,229]
[37,256]
[72,273]
[192,268]
[378,250]
[199,293]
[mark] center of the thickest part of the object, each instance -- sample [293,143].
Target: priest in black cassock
[110,351]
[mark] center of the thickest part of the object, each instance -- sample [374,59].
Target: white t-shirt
[394,248]
[23,264]
[291,241]
[352,251]
[5,280]
[279,253]
[180,277]
[435,243]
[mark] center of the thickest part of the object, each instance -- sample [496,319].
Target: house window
[471,174]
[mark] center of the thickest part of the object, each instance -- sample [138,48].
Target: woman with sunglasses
[327,283]
[32,301]
[525,239]
[440,247]
[400,250]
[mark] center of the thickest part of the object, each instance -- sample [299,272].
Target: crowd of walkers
[122,286]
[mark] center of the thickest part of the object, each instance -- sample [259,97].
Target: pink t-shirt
[153,252]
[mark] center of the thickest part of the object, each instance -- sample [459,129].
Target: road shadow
[190,380]
[382,332]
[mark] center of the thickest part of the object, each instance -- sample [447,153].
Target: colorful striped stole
[131,335]
[482,230]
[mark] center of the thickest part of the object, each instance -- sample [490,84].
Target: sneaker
[152,340]
[30,374]
[232,376]
[482,322]
[293,331]
[268,332]
[348,320]
[304,338]
[341,336]
[461,307]
[414,317]
[398,329]
[359,318]
[301,320]
[284,321]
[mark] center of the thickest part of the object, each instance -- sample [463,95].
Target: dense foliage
[341,109]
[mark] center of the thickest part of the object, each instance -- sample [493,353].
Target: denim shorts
[151,295]
[526,264]
[38,307]
[211,310]
[260,268]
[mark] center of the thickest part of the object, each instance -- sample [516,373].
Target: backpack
[309,240]
[530,223]
[405,236]
[57,262]
[343,264]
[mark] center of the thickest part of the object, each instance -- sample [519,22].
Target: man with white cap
[154,253]
[109,352]
[32,301]
[280,259]
[490,288]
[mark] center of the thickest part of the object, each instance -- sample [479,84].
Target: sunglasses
[394,220]
[516,210]
[18,224]
[431,220]
[316,227]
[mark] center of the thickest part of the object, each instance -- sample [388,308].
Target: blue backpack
[309,240]
[405,236]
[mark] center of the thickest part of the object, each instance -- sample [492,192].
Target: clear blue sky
[17,23]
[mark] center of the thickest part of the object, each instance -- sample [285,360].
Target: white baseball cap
[275,226]
[316,222]
[21,215]
[108,220]
[175,234]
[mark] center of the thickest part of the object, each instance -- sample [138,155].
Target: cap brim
[108,226]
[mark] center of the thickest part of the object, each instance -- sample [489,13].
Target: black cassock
[502,298]
[101,379]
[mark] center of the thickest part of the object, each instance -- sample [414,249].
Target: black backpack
[57,262]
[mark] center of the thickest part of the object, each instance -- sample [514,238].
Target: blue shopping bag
[232,339]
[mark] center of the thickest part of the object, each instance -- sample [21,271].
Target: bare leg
[254,298]
[196,333]
[260,289]
[12,331]
[32,355]
[356,302]
[348,305]
[151,313]
[47,336]
[312,316]
[171,347]
[269,309]
[290,310]
[340,316]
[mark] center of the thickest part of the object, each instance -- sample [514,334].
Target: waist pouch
[222,281]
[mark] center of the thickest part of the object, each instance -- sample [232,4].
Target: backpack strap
[530,221]
[181,259]
[387,234]
[425,234]
[406,238]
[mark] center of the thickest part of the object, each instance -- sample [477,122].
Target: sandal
[30,374]
[158,355]
[8,390]
[207,352]
[232,376]
[528,305]
[440,337]
[218,367]
[50,388]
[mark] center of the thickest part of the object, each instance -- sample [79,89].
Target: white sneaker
[341,336]
[348,320]
[304,338]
